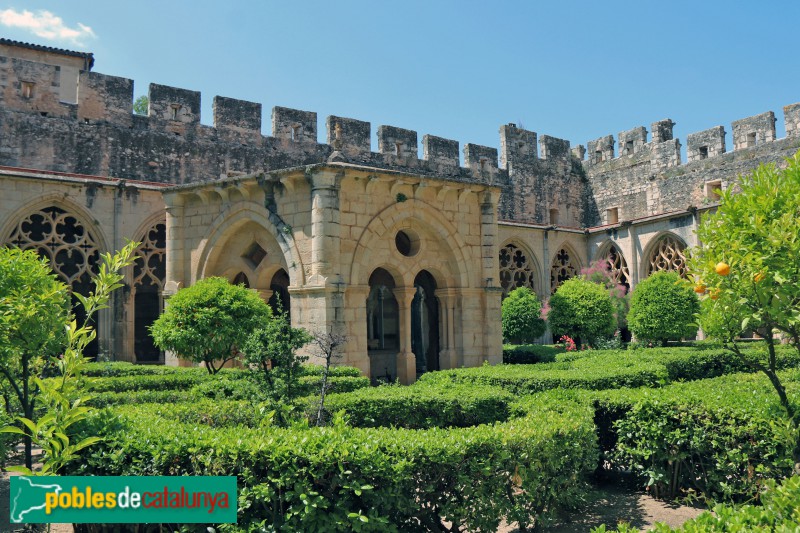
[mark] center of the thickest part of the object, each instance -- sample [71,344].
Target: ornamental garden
[323,448]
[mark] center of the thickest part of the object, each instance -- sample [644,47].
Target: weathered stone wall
[543,188]
[112,211]
[648,178]
[99,135]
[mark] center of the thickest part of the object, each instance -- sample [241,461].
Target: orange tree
[748,269]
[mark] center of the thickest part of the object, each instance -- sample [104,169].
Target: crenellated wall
[100,135]
[543,179]
[648,177]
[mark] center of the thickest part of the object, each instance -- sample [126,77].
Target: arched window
[516,270]
[280,292]
[563,268]
[617,266]
[383,324]
[70,248]
[149,273]
[241,279]
[667,254]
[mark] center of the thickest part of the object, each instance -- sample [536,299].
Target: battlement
[106,102]
[663,149]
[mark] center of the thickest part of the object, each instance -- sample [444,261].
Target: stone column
[325,231]
[174,257]
[492,329]
[406,361]
[355,318]
[447,354]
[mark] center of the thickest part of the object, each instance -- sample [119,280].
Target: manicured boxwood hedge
[528,354]
[341,478]
[601,371]
[609,369]
[721,438]
[423,406]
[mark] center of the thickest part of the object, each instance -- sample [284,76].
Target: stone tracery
[61,238]
[618,266]
[668,254]
[516,269]
[562,269]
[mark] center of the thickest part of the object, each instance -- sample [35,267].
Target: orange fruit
[759,277]
[700,289]
[723,269]
[714,294]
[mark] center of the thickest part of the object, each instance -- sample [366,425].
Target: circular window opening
[407,243]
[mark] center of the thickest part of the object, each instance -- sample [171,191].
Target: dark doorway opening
[425,323]
[280,292]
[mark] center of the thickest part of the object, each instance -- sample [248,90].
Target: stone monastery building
[408,256]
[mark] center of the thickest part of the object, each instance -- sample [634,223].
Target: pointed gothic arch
[68,243]
[666,253]
[149,275]
[565,265]
[518,268]
[617,264]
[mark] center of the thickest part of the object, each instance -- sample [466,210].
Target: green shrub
[344,479]
[105,399]
[122,368]
[602,370]
[209,321]
[335,371]
[663,308]
[418,407]
[177,381]
[527,354]
[718,437]
[581,310]
[310,385]
[521,316]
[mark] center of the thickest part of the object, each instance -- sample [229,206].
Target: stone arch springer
[398,216]
[226,223]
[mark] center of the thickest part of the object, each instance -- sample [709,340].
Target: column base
[447,359]
[406,367]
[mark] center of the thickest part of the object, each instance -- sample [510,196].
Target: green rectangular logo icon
[123,499]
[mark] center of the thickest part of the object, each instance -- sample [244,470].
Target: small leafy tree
[663,308]
[272,349]
[328,347]
[141,105]
[63,405]
[34,308]
[521,314]
[210,321]
[748,269]
[581,310]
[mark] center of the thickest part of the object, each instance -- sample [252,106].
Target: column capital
[404,295]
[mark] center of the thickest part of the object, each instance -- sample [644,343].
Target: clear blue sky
[456,69]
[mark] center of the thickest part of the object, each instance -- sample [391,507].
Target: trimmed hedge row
[121,368]
[528,354]
[351,479]
[419,407]
[148,389]
[602,371]
[722,438]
